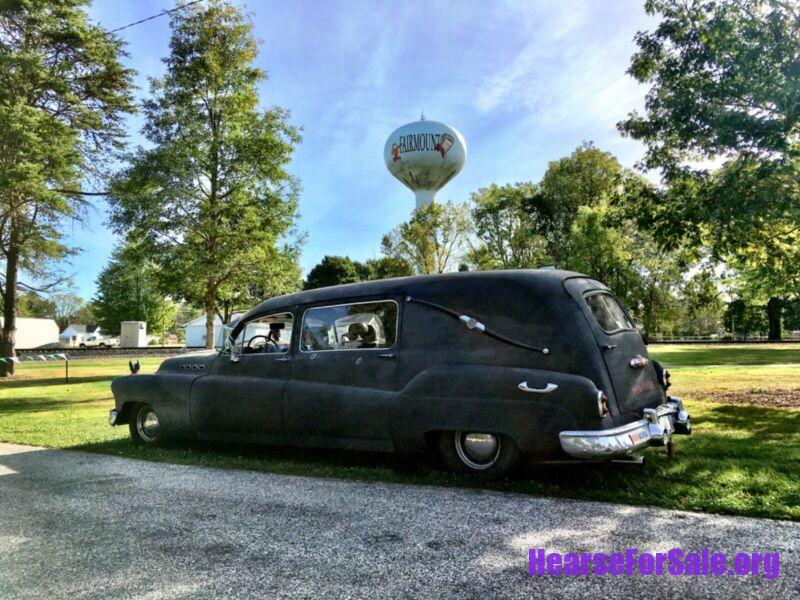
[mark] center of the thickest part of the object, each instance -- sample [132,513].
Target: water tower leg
[425,197]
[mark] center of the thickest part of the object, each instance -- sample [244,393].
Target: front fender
[464,397]
[167,393]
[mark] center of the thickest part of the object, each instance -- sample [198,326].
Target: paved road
[81,525]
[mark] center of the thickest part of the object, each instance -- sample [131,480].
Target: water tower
[424,156]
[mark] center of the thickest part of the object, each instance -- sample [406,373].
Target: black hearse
[482,367]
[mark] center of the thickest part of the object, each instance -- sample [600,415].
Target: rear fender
[463,397]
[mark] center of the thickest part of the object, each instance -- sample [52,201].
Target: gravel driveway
[74,524]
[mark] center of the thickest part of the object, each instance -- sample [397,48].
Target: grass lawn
[741,459]
[727,354]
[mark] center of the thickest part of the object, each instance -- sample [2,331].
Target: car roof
[545,278]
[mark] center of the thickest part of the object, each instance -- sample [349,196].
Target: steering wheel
[266,341]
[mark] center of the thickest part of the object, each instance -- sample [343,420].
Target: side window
[355,326]
[267,335]
[608,312]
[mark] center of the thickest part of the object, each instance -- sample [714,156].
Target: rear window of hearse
[357,326]
[608,312]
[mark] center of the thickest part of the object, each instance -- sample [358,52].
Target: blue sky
[525,82]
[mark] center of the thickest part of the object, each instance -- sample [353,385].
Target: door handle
[387,355]
[550,387]
[283,359]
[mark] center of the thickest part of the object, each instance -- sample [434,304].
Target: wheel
[102,345]
[81,345]
[144,426]
[484,456]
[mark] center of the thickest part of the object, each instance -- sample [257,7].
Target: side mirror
[229,345]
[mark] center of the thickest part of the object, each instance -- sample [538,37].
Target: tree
[128,290]
[701,304]
[333,270]
[505,230]
[35,306]
[432,240]
[742,318]
[724,85]
[386,267]
[67,306]
[588,177]
[63,93]
[211,198]
[338,270]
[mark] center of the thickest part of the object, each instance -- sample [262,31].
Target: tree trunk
[9,336]
[211,313]
[774,310]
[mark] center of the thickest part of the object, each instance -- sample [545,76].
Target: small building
[133,334]
[35,333]
[74,335]
[195,331]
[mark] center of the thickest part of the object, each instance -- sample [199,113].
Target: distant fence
[79,353]
[712,342]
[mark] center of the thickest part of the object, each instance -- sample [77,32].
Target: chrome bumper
[113,415]
[655,429]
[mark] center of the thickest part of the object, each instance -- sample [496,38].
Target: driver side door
[243,401]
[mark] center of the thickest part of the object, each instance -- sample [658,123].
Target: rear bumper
[655,429]
[113,417]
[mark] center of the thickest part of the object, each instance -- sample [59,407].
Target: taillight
[602,404]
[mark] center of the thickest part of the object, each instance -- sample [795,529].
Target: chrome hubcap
[147,425]
[477,450]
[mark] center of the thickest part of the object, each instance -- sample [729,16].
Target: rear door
[624,351]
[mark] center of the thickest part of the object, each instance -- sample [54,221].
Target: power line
[161,14]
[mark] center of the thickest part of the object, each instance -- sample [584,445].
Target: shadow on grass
[36,404]
[755,420]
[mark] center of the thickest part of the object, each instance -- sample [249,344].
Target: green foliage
[701,305]
[386,267]
[35,306]
[432,240]
[724,81]
[505,229]
[63,95]
[743,319]
[337,270]
[333,270]
[128,290]
[211,197]
[588,177]
[725,87]
[792,315]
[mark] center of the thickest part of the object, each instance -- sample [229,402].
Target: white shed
[133,334]
[35,333]
[195,331]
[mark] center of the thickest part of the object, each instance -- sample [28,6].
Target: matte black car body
[440,375]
